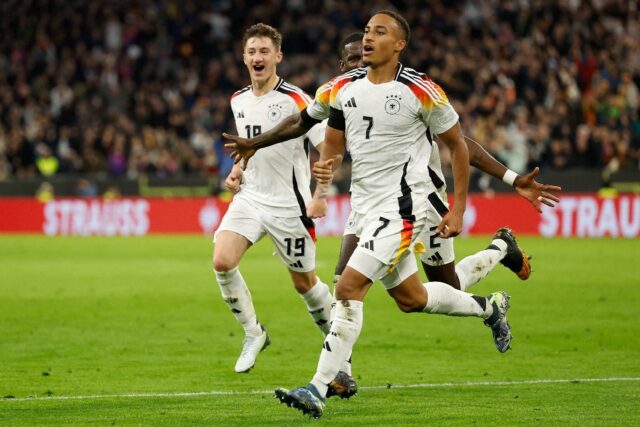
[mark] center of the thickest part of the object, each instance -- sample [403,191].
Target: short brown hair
[262,30]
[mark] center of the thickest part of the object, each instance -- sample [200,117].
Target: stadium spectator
[86,188]
[45,192]
[136,88]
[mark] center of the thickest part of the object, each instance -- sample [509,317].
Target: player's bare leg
[442,273]
[348,245]
[228,250]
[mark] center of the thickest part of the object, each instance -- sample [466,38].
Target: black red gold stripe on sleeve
[299,97]
[428,93]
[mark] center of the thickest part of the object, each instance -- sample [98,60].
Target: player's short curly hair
[263,30]
[353,37]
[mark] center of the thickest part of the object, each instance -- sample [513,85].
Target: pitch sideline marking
[375,387]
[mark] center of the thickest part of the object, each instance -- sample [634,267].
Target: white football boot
[251,346]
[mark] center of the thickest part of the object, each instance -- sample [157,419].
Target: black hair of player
[353,37]
[402,23]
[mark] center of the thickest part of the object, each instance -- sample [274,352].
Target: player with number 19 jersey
[277,178]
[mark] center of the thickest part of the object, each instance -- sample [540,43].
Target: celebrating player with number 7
[384,113]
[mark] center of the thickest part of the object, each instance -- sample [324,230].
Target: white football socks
[443,299]
[237,296]
[318,300]
[475,267]
[345,330]
[346,365]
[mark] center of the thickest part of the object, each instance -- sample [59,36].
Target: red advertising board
[580,215]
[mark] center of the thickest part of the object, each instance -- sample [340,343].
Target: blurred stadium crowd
[142,87]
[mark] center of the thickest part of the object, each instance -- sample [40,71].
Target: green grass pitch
[134,329]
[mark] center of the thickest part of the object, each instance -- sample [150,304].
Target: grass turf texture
[101,316]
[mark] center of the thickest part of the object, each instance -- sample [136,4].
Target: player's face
[351,56]
[383,39]
[261,57]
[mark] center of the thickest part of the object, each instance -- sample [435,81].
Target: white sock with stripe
[318,300]
[338,345]
[346,365]
[444,299]
[238,298]
[475,267]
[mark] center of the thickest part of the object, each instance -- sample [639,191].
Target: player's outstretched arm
[451,224]
[526,186]
[244,148]
[481,159]
[534,192]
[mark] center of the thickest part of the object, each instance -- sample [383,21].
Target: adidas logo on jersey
[296,264]
[351,103]
[436,258]
[240,115]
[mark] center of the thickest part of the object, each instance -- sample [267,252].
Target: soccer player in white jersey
[272,197]
[438,259]
[383,112]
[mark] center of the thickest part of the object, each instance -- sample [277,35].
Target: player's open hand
[232,183]
[317,208]
[240,147]
[536,193]
[451,224]
[323,171]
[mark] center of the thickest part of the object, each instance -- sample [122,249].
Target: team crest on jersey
[392,105]
[275,112]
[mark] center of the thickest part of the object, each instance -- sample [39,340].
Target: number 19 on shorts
[295,245]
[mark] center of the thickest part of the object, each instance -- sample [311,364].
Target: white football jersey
[386,131]
[319,109]
[277,178]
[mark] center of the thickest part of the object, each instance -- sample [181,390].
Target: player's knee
[405,308]
[411,305]
[442,273]
[223,263]
[303,282]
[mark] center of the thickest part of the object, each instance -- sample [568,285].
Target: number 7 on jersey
[370,120]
